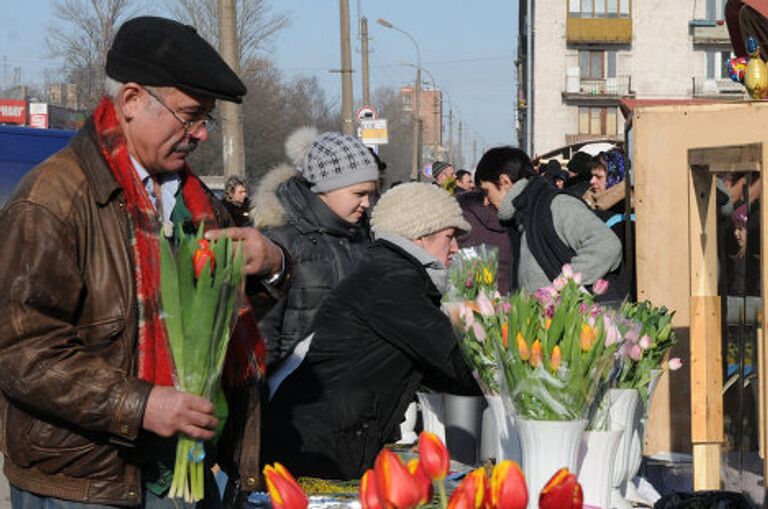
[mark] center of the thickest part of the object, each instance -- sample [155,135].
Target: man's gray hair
[112,87]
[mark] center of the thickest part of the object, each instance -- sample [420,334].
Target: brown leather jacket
[71,407]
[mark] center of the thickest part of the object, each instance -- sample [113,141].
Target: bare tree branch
[256,23]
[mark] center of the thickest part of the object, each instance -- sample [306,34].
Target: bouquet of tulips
[648,337]
[200,287]
[557,350]
[472,273]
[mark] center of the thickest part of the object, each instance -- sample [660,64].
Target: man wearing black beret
[88,411]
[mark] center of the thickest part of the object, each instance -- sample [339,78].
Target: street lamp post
[437,115]
[416,156]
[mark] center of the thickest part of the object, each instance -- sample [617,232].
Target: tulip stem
[443,496]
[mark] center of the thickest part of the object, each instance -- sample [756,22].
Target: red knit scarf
[155,364]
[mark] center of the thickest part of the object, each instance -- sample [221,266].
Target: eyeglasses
[191,127]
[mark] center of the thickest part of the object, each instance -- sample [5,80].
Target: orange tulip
[396,487]
[202,256]
[505,334]
[547,324]
[424,482]
[435,459]
[284,491]
[369,496]
[522,346]
[507,487]
[557,356]
[536,353]
[460,499]
[561,492]
[587,337]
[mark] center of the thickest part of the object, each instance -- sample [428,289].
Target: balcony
[571,139]
[606,90]
[709,33]
[598,30]
[717,88]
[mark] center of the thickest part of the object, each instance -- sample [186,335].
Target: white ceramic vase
[622,410]
[597,453]
[547,446]
[407,427]
[432,413]
[508,442]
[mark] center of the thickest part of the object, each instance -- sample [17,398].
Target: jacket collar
[102,183]
[308,213]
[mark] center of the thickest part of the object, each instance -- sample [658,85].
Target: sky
[469,47]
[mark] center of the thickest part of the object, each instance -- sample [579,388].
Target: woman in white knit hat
[377,337]
[315,210]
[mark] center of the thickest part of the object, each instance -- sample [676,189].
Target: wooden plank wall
[661,139]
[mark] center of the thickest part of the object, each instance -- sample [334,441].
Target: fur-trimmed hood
[268,212]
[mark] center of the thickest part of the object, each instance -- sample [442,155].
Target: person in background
[554,173]
[378,336]
[89,410]
[316,210]
[607,187]
[464,181]
[443,174]
[486,229]
[578,174]
[236,200]
[548,228]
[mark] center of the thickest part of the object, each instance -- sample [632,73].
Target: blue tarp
[21,149]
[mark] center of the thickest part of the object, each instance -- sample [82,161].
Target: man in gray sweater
[548,228]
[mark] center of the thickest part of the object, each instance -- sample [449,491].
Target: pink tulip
[600,287]
[559,283]
[577,278]
[468,315]
[635,352]
[485,305]
[645,342]
[675,363]
[611,331]
[567,270]
[479,332]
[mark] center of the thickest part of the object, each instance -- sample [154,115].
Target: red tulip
[202,255]
[507,487]
[369,495]
[474,487]
[424,482]
[284,491]
[434,457]
[460,499]
[561,492]
[396,487]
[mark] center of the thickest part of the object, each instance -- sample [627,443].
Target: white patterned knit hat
[417,209]
[334,160]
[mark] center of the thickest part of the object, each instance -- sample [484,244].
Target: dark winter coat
[378,336]
[323,249]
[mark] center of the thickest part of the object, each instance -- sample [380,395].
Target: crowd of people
[343,278]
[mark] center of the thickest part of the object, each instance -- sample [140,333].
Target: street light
[416,157]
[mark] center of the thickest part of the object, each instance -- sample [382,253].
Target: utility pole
[474,154]
[459,158]
[450,137]
[438,135]
[416,156]
[364,54]
[232,114]
[348,126]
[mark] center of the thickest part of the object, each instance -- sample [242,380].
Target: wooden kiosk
[676,153]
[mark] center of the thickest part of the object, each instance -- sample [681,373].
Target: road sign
[374,132]
[366,113]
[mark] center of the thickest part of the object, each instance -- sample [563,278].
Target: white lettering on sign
[11,111]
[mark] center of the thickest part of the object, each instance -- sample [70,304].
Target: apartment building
[586,55]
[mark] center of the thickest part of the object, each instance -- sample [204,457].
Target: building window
[596,65]
[717,65]
[599,8]
[598,121]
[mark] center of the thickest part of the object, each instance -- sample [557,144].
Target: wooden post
[705,341]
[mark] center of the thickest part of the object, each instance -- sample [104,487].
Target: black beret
[165,53]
